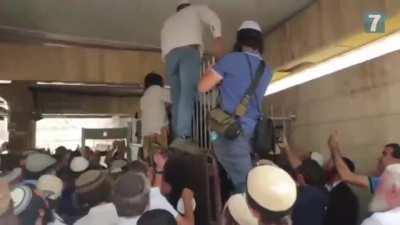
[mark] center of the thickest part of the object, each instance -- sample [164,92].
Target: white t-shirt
[154,114]
[391,217]
[128,221]
[186,28]
[100,215]
[157,201]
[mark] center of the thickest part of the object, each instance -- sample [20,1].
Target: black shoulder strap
[260,71]
[241,109]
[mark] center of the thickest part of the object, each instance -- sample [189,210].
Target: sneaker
[185,145]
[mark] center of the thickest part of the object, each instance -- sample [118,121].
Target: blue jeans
[183,74]
[234,155]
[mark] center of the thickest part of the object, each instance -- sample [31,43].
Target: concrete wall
[326,28]
[43,63]
[362,102]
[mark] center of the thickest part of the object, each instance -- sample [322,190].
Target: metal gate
[204,103]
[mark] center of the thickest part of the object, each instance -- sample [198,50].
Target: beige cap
[89,181]
[37,162]
[50,185]
[240,211]
[271,188]
[117,165]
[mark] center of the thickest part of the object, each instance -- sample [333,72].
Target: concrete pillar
[22,129]
[22,124]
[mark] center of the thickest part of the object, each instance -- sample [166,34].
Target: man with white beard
[386,202]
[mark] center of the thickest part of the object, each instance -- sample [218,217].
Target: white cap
[318,157]
[79,164]
[250,24]
[37,162]
[240,211]
[181,2]
[50,185]
[271,188]
[21,196]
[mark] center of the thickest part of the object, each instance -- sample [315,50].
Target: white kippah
[250,24]
[50,185]
[318,157]
[79,164]
[240,211]
[21,196]
[271,188]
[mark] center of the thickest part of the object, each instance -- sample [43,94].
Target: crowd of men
[75,187]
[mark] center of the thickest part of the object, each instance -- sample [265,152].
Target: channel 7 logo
[374,22]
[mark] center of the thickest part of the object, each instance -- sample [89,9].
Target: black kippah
[157,217]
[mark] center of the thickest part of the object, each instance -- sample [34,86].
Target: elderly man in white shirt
[386,202]
[182,47]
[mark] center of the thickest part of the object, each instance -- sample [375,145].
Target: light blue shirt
[234,70]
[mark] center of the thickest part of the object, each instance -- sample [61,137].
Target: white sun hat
[271,188]
[240,211]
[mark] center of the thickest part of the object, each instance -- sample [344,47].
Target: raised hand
[333,141]
[159,160]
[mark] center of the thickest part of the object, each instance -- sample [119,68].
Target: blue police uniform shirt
[236,78]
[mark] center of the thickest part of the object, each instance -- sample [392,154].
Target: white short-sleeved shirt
[157,201]
[188,21]
[154,114]
[100,215]
[391,217]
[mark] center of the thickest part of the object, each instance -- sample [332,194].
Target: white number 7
[375,20]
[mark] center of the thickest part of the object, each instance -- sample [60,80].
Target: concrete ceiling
[134,22]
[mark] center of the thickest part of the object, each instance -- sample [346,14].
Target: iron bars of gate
[203,104]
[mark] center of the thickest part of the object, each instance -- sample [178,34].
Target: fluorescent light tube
[5,81]
[375,49]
